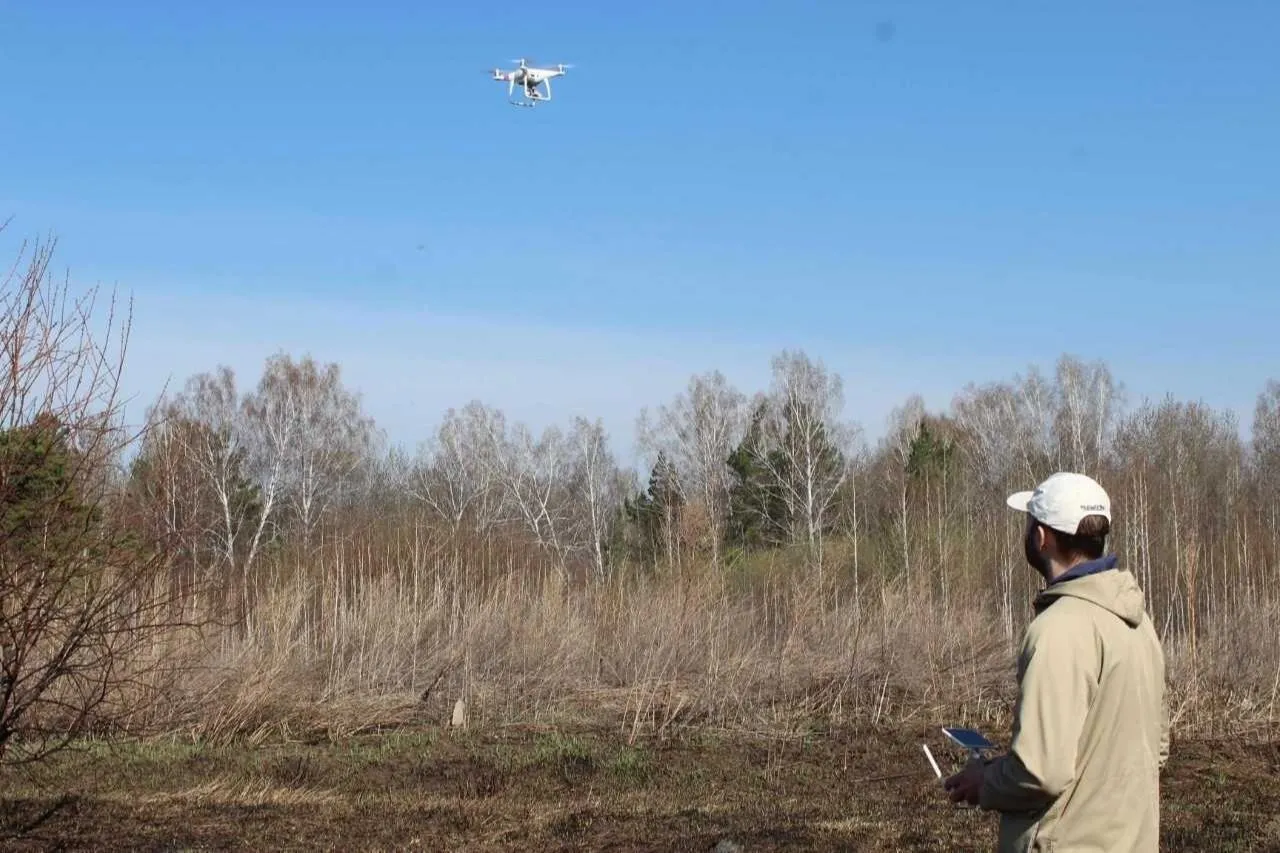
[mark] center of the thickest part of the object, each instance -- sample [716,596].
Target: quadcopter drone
[529,79]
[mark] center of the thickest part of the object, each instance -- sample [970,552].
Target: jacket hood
[1114,590]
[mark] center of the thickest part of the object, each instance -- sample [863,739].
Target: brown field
[741,641]
[541,789]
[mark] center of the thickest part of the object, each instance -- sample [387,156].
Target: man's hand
[966,786]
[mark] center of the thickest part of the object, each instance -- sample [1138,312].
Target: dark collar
[1091,567]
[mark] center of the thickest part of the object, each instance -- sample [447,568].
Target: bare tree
[1265,448]
[535,475]
[985,415]
[900,439]
[1013,434]
[850,522]
[1088,400]
[562,489]
[177,496]
[314,435]
[205,424]
[1183,460]
[599,487]
[270,425]
[999,434]
[804,445]
[165,489]
[697,432]
[81,603]
[458,475]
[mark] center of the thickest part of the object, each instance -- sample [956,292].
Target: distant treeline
[766,562]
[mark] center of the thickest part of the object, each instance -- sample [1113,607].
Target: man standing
[1091,728]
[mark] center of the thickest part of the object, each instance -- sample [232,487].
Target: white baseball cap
[1063,500]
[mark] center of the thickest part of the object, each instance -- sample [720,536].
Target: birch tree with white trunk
[316,432]
[459,474]
[216,444]
[900,438]
[600,488]
[1265,449]
[805,440]
[1088,403]
[535,476]
[697,431]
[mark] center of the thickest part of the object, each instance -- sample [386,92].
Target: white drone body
[529,79]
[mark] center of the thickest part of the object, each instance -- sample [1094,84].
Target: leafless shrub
[82,599]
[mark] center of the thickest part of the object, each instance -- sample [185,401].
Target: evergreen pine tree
[758,515]
[654,514]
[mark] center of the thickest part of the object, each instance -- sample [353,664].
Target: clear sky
[920,193]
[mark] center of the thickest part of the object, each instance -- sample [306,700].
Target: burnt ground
[518,789]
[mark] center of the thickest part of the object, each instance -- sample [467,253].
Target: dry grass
[521,790]
[668,712]
[1228,682]
[229,791]
[336,652]
[648,655]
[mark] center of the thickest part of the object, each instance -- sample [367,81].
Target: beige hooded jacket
[1091,727]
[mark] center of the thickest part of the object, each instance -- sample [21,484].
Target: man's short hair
[1089,540]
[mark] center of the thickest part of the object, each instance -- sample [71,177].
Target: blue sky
[919,193]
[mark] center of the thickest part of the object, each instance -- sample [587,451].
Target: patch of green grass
[630,765]
[556,747]
[568,756]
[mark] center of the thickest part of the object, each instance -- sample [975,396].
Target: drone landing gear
[531,99]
